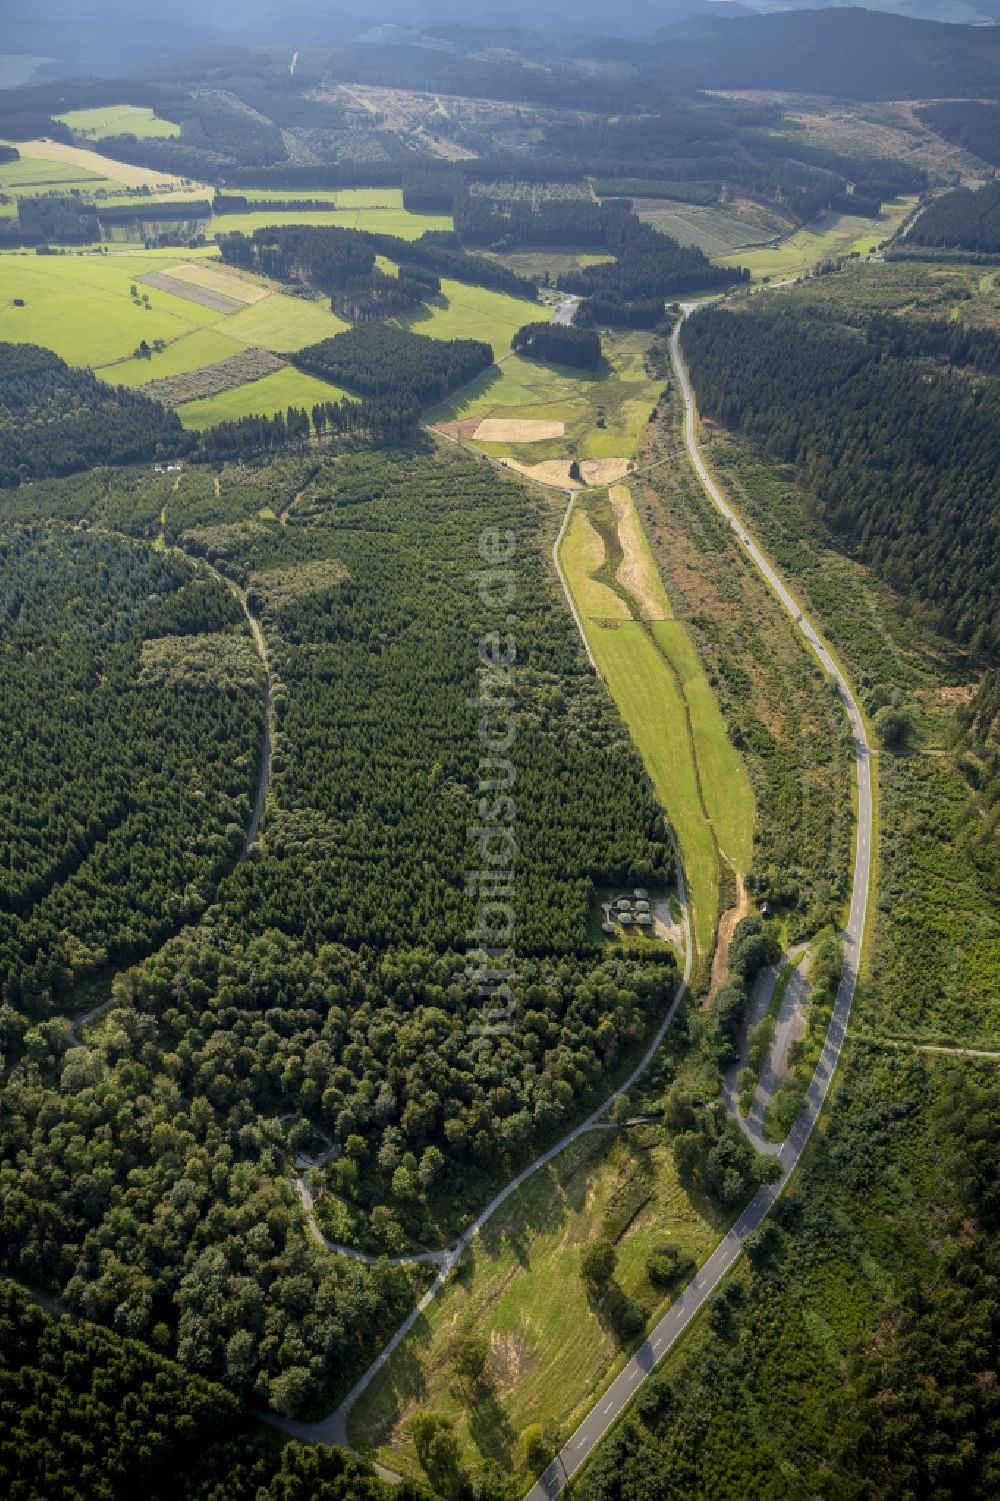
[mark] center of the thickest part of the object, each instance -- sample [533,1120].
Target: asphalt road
[613,1402]
[333,1428]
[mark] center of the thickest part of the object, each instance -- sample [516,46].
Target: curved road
[333,1428]
[610,1406]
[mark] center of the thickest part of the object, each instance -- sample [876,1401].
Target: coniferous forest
[895,447]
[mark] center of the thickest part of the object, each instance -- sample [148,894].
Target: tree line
[560,344]
[893,447]
[967,219]
[55,419]
[382,360]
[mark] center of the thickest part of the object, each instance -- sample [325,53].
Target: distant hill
[850,53]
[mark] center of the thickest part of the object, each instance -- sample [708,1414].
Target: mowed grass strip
[583,553]
[550,1349]
[261,398]
[652,705]
[725,784]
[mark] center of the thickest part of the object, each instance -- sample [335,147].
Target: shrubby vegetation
[892,450]
[841,1353]
[54,419]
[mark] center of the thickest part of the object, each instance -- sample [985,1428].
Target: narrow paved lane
[609,1407]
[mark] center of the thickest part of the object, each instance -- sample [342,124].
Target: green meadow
[118,119]
[605,414]
[550,1345]
[275,393]
[653,672]
[464,312]
[387,221]
[830,236]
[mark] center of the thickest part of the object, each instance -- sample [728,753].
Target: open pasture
[36,174]
[81,306]
[101,166]
[604,414]
[828,237]
[464,312]
[275,393]
[550,1345]
[202,346]
[387,221]
[119,119]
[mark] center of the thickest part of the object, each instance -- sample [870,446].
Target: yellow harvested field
[214,280]
[93,161]
[551,472]
[509,430]
[637,572]
[603,471]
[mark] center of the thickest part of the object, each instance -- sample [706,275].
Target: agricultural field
[718,228]
[465,312]
[831,236]
[202,346]
[605,414]
[118,119]
[550,1344]
[655,676]
[283,323]
[388,221]
[535,263]
[275,393]
[81,305]
[101,166]
[36,174]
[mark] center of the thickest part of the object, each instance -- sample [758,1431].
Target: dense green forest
[975,127]
[854,1357]
[340,260]
[966,219]
[90,1416]
[54,419]
[331,979]
[133,703]
[382,360]
[560,344]
[894,448]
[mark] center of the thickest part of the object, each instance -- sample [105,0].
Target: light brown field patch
[510,430]
[464,428]
[220,302]
[637,572]
[727,926]
[551,472]
[216,280]
[105,166]
[603,471]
